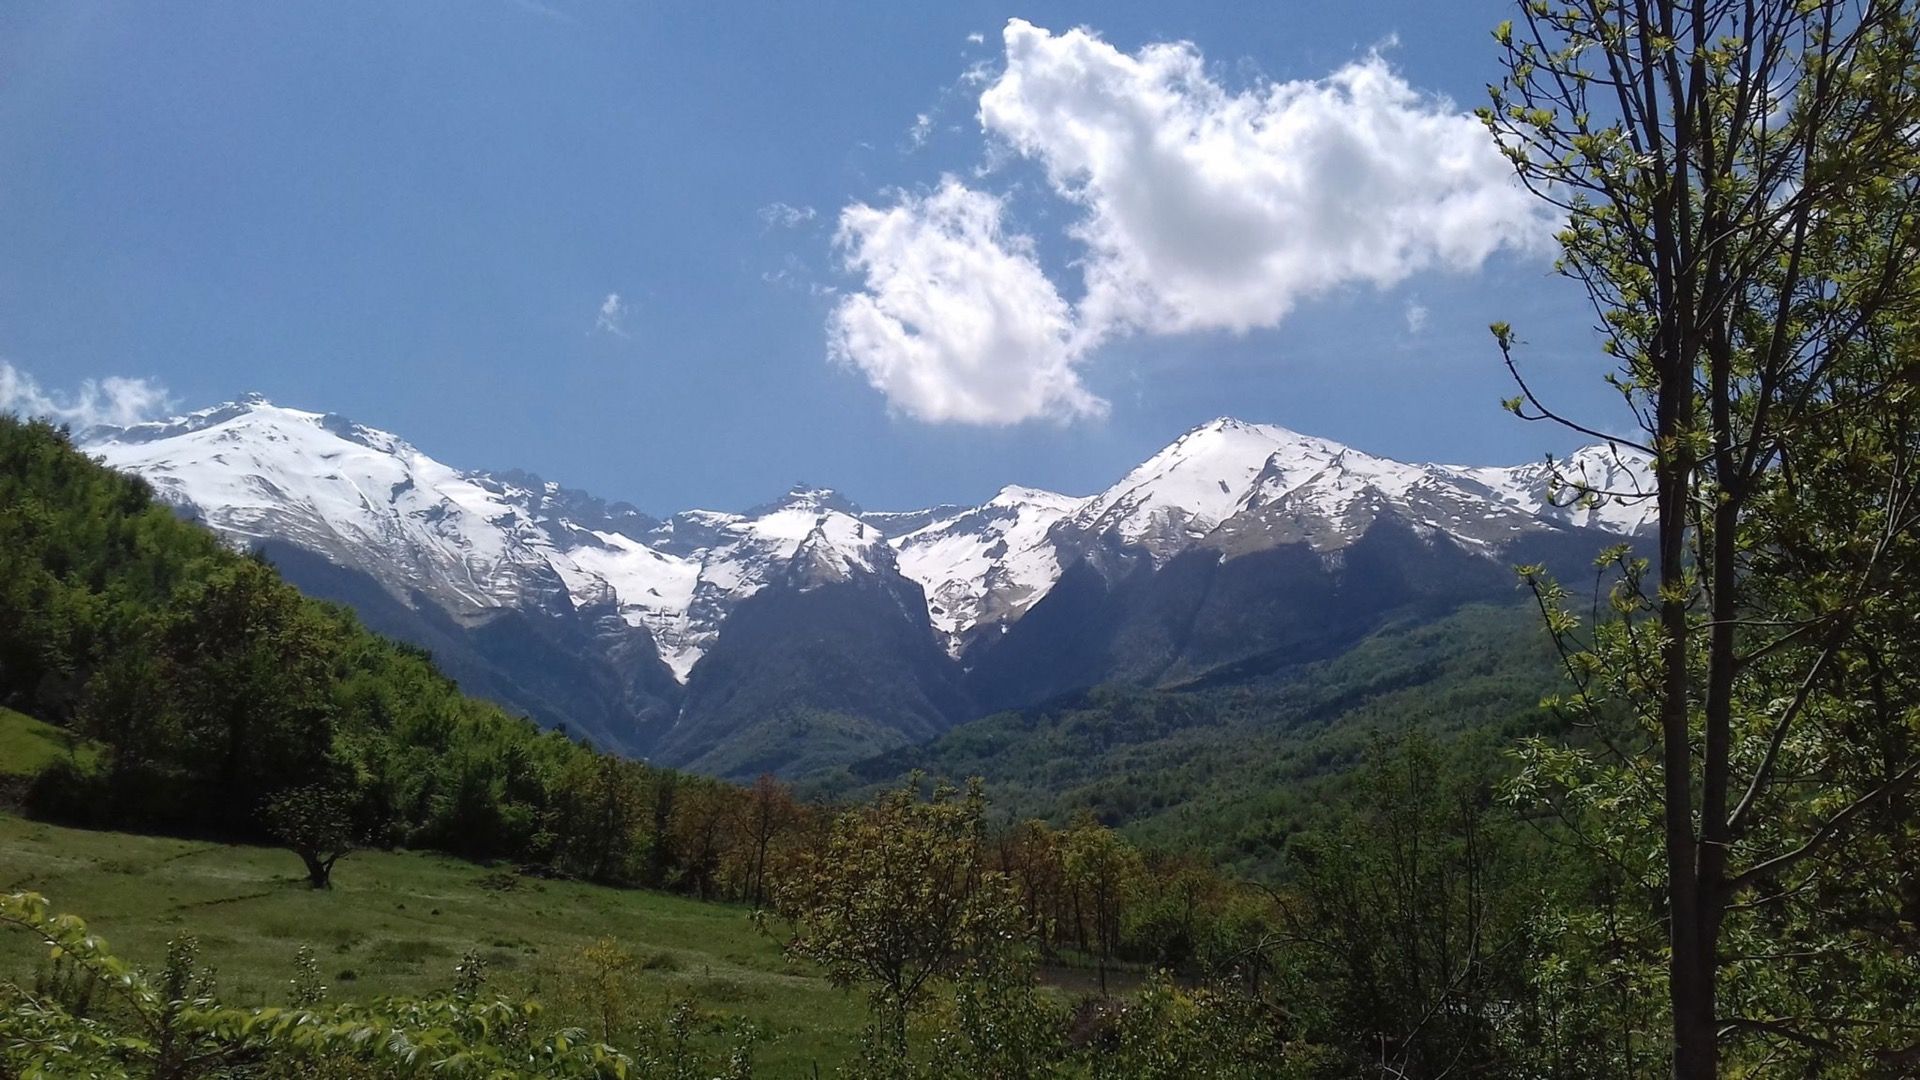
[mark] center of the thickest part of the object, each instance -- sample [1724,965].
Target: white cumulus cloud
[113,400]
[956,322]
[1205,207]
[1191,206]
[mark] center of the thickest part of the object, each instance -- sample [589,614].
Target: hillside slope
[1233,771]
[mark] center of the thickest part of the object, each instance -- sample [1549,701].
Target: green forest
[1663,822]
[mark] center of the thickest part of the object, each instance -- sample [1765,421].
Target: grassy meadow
[28,745]
[397,922]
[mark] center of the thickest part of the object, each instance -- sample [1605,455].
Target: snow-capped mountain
[363,498]
[1307,494]
[729,557]
[983,566]
[1595,487]
[1180,494]
[1237,486]
[476,541]
[584,612]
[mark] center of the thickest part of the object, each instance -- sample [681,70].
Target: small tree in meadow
[901,895]
[316,823]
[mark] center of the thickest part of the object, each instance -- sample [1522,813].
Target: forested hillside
[212,687]
[1235,771]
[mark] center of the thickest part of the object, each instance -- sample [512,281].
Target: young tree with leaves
[766,813]
[901,895]
[1738,180]
[1103,873]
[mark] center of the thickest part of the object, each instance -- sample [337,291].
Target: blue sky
[415,214]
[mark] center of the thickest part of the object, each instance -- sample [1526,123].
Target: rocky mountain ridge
[642,602]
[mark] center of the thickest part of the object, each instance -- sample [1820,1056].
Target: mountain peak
[1195,483]
[1018,495]
[199,420]
[808,497]
[829,554]
[1230,425]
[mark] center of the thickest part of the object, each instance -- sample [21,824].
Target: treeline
[1425,935]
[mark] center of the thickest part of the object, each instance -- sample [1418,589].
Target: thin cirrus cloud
[115,400]
[1195,207]
[785,215]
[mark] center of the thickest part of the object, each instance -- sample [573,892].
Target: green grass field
[397,922]
[27,745]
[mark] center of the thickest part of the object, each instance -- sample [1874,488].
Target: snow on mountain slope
[475,542]
[1239,487]
[734,556]
[983,566]
[1332,506]
[1181,493]
[1619,480]
[652,589]
[363,498]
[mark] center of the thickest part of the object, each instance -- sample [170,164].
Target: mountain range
[809,632]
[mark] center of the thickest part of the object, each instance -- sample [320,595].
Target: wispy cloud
[922,127]
[114,400]
[976,38]
[612,318]
[786,216]
[1416,316]
[545,11]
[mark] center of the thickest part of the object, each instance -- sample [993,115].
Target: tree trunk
[319,871]
[1690,969]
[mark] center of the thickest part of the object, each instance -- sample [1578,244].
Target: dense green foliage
[1413,939]
[900,896]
